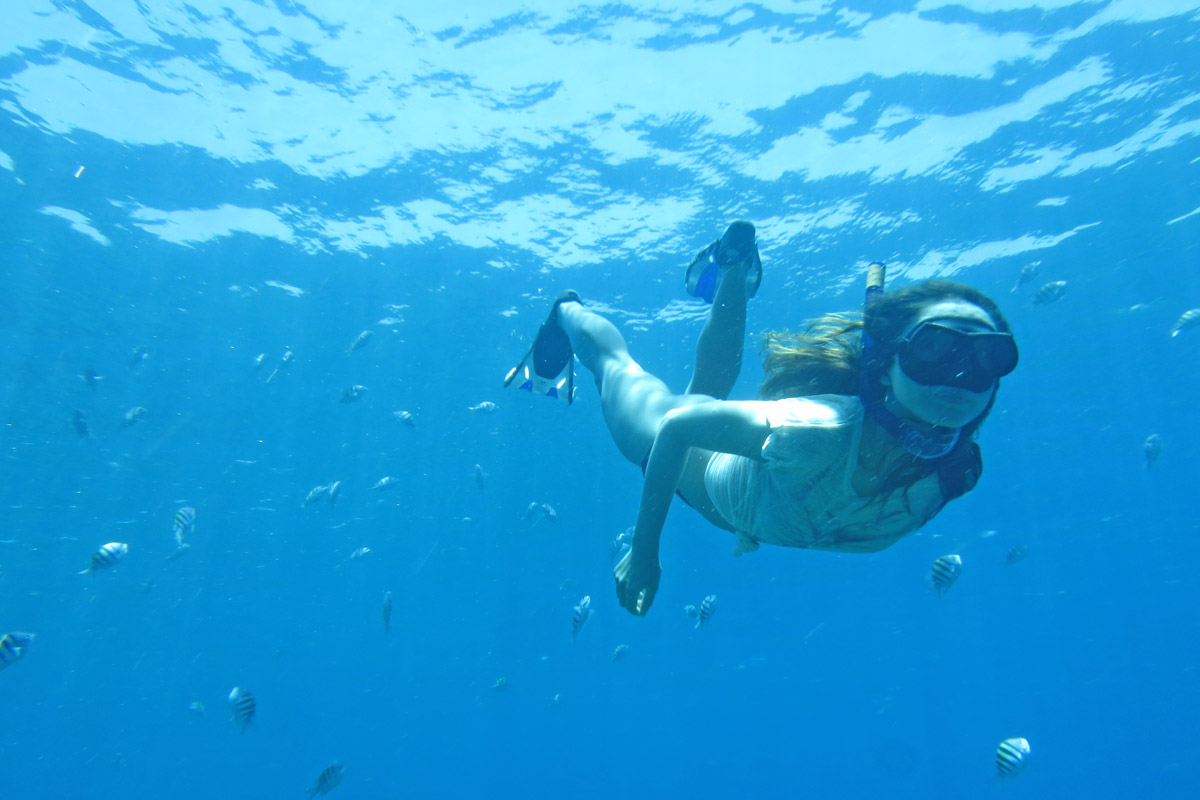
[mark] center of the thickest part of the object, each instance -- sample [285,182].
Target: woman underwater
[865,428]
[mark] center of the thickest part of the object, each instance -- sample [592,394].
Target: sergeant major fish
[406,417]
[283,362]
[360,341]
[708,607]
[1011,757]
[486,407]
[314,495]
[108,555]
[385,483]
[1152,448]
[1027,274]
[12,647]
[619,652]
[1189,319]
[327,781]
[352,394]
[945,572]
[242,706]
[387,612]
[132,417]
[1016,555]
[582,612]
[1050,292]
[184,524]
[79,421]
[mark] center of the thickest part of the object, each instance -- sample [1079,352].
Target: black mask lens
[937,355]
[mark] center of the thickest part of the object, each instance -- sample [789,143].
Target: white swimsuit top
[801,494]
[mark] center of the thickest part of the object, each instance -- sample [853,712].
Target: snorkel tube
[935,443]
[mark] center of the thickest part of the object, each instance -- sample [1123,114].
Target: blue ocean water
[190,185]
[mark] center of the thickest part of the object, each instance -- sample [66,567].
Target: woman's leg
[633,400]
[719,351]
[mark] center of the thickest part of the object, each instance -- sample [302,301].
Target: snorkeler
[864,431]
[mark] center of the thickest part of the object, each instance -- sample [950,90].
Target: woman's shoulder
[818,411]
[812,431]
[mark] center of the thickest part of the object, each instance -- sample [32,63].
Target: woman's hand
[637,581]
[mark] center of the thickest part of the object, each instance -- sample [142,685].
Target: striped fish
[185,523]
[945,572]
[582,612]
[106,556]
[1016,555]
[708,607]
[242,706]
[12,647]
[619,652]
[327,781]
[1011,757]
[387,612]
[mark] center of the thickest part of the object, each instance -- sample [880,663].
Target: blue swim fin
[552,371]
[736,245]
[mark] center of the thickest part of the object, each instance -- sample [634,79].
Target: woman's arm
[723,426]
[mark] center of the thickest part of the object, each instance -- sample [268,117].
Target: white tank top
[801,494]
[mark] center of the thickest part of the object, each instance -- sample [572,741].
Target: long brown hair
[827,358]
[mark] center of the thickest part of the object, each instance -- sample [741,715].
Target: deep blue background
[821,674]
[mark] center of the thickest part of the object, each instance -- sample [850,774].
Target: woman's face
[947,406]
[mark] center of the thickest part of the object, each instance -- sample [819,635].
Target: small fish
[1027,274]
[1049,293]
[197,709]
[1011,757]
[242,706]
[1189,320]
[387,612]
[691,611]
[283,362]
[554,701]
[332,492]
[620,544]
[106,556]
[81,425]
[549,513]
[359,341]
[352,394]
[184,524]
[132,417]
[619,652]
[179,550]
[406,417]
[12,647]
[480,478]
[1153,449]
[314,495]
[945,572]
[486,407]
[259,360]
[137,357]
[582,612]
[327,781]
[385,483]
[708,607]
[91,377]
[361,552]
[532,507]
[1016,555]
